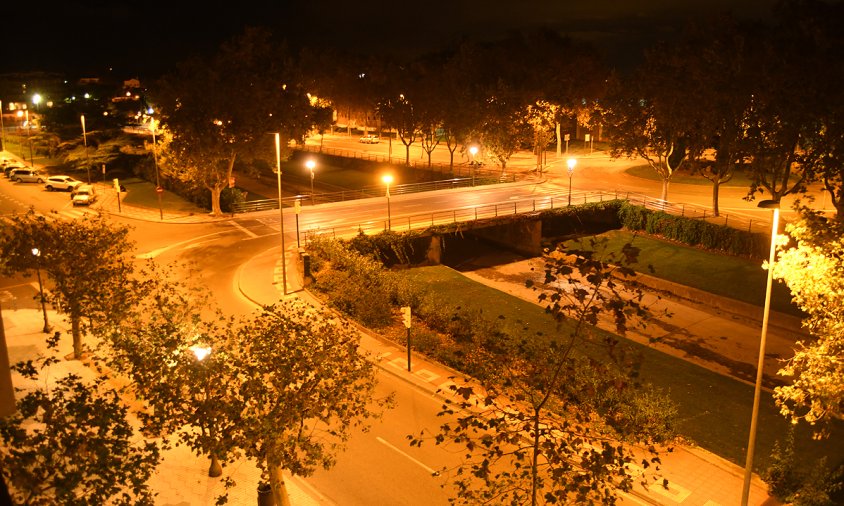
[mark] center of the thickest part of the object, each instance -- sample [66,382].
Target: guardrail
[549,201]
[371,191]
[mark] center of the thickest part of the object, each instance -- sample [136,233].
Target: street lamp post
[29,139]
[37,254]
[757,392]
[387,180]
[158,189]
[571,163]
[281,213]
[310,164]
[297,208]
[201,353]
[473,150]
[2,128]
[85,142]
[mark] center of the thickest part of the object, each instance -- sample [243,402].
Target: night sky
[148,37]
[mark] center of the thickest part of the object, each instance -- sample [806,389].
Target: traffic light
[405,313]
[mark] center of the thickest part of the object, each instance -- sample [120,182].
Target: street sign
[116,185]
[297,207]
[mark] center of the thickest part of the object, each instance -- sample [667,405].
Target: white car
[61,183]
[369,139]
[84,195]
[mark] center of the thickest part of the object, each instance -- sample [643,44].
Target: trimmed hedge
[694,232]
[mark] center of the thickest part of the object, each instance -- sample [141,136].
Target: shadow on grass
[714,410]
[728,276]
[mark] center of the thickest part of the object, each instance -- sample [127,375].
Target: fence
[371,191]
[532,205]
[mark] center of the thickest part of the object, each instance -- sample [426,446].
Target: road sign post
[405,312]
[158,191]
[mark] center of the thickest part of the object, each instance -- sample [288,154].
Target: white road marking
[420,464]
[243,229]
[632,498]
[156,252]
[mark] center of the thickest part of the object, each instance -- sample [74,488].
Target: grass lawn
[142,193]
[725,275]
[714,410]
[684,177]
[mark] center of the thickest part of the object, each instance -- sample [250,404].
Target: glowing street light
[473,150]
[757,392]
[310,164]
[200,352]
[571,163]
[387,179]
[37,254]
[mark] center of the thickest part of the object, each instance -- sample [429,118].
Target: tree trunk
[278,485]
[215,469]
[76,332]
[534,463]
[715,186]
[216,190]
[664,196]
[407,155]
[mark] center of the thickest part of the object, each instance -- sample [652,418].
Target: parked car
[7,170]
[370,139]
[84,195]
[27,176]
[61,183]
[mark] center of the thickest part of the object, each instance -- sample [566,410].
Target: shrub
[694,232]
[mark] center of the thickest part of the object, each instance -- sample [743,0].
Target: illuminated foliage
[813,268]
[72,443]
[86,260]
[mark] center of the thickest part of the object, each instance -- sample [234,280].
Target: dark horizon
[145,40]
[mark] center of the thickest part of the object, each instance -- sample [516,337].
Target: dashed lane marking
[403,454]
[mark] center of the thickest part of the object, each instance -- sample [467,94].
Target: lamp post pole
[757,392]
[85,141]
[571,163]
[29,139]
[473,150]
[158,189]
[201,353]
[37,253]
[387,179]
[2,128]
[281,213]
[310,164]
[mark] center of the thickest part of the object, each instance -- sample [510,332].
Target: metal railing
[370,192]
[535,204]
